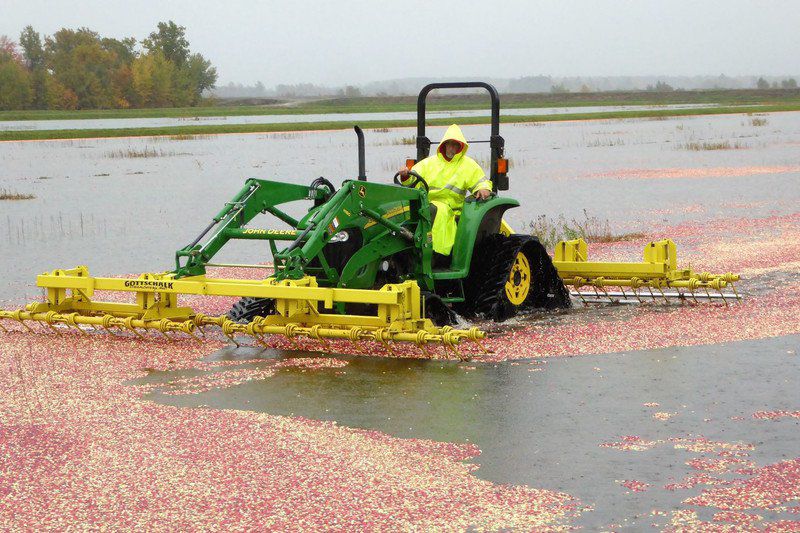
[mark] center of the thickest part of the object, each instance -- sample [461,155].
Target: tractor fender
[477,220]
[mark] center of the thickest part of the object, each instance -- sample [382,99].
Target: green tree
[31,43]
[196,76]
[762,84]
[170,40]
[125,49]
[33,51]
[15,83]
[791,83]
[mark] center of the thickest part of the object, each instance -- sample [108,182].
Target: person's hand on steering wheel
[403,171]
[482,194]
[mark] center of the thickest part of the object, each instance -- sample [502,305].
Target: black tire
[437,311]
[493,265]
[246,309]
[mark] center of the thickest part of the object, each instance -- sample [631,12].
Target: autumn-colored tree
[9,49]
[153,78]
[57,96]
[79,62]
[79,69]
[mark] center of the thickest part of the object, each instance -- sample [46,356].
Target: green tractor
[366,235]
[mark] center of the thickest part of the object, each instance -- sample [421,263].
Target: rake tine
[610,299]
[583,300]
[638,296]
[666,300]
[3,328]
[722,295]
[260,339]
[650,289]
[109,331]
[195,337]
[736,294]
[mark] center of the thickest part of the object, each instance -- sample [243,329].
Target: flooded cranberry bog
[612,417]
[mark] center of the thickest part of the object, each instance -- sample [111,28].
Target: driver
[450,174]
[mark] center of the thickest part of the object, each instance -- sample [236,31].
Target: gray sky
[358,41]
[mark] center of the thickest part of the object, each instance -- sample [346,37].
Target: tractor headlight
[342,236]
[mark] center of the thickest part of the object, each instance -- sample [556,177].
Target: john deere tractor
[368,234]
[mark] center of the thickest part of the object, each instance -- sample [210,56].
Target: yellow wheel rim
[519,280]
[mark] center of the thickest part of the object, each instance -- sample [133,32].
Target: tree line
[79,69]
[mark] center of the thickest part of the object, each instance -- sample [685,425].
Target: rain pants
[449,182]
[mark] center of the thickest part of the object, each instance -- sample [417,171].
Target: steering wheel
[417,179]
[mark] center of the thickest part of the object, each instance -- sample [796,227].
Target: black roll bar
[496,142]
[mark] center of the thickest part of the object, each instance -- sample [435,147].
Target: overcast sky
[340,42]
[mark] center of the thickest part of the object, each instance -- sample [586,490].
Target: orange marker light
[410,163]
[502,166]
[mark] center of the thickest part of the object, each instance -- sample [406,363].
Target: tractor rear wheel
[509,274]
[246,309]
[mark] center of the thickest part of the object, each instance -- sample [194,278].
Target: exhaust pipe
[362,168]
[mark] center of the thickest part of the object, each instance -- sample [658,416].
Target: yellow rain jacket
[449,182]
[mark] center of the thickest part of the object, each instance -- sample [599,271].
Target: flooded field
[607,417]
[539,422]
[126,205]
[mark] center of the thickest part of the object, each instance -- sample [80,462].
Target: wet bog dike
[552,423]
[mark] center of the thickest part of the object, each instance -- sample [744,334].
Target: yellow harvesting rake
[658,271]
[399,317]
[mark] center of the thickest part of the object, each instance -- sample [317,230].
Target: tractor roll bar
[496,142]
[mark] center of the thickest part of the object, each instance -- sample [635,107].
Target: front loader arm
[365,205]
[256,197]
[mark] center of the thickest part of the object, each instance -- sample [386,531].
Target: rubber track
[246,309]
[492,265]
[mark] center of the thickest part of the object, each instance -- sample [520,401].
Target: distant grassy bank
[333,125]
[385,104]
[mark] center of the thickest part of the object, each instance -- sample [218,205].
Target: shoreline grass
[459,102]
[14,196]
[30,135]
